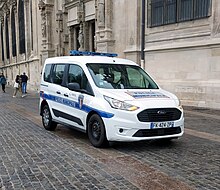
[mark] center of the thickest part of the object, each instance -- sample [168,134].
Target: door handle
[58,92]
[66,95]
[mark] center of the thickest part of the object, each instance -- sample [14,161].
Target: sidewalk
[30,102]
[10,90]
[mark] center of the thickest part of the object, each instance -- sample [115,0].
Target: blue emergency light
[77,53]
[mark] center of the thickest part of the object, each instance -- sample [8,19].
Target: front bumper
[126,130]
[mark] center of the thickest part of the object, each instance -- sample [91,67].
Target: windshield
[116,76]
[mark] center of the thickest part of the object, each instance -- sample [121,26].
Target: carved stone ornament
[41,5]
[101,13]
[109,13]
[43,24]
[81,37]
[13,3]
[80,12]
[2,18]
[6,9]
[59,19]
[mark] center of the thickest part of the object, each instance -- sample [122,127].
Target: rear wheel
[96,131]
[47,119]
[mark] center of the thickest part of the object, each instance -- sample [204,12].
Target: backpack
[3,80]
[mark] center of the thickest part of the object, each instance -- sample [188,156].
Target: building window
[91,25]
[21,27]
[7,38]
[202,8]
[164,12]
[74,37]
[76,44]
[13,35]
[2,40]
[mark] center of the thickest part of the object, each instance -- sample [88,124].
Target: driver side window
[76,74]
[135,79]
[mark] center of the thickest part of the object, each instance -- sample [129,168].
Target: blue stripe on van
[76,105]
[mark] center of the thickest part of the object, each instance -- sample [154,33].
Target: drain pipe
[143,35]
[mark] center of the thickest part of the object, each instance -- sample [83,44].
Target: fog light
[121,130]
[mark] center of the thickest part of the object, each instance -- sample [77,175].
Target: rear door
[77,101]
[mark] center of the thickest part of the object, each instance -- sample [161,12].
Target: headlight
[117,104]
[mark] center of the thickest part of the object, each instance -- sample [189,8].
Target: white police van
[111,99]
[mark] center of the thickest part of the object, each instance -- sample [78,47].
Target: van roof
[89,59]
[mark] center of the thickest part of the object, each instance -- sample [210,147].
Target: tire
[96,131]
[47,119]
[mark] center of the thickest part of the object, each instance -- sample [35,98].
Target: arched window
[21,27]
[13,35]
[2,40]
[7,38]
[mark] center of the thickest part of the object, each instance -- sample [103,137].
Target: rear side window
[57,74]
[47,73]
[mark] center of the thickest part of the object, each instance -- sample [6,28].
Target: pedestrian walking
[17,85]
[3,81]
[24,80]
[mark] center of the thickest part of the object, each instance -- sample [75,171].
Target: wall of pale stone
[192,74]
[126,28]
[184,59]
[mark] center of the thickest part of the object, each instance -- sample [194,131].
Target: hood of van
[139,97]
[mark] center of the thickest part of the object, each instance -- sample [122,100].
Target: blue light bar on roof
[76,53]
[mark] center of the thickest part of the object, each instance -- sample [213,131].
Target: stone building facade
[182,39]
[183,50]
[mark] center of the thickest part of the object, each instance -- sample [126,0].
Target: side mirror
[73,86]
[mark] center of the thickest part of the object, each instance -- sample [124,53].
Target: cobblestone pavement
[33,158]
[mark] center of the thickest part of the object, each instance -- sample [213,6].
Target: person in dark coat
[3,82]
[24,80]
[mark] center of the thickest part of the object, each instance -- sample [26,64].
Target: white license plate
[156,125]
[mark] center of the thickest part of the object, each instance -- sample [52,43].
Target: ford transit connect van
[109,98]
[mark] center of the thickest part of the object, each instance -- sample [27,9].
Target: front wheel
[96,131]
[47,119]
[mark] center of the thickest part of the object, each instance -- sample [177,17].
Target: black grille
[159,114]
[157,132]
